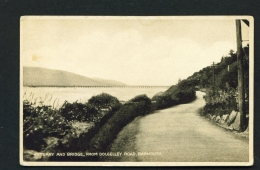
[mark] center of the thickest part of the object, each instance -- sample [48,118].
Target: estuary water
[71,94]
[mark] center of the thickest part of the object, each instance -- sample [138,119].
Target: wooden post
[241,90]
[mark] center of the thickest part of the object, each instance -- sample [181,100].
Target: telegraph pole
[241,90]
[213,79]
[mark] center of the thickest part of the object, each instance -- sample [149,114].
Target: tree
[231,52]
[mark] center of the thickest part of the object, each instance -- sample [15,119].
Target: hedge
[137,106]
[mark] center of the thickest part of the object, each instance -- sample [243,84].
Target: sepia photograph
[136,90]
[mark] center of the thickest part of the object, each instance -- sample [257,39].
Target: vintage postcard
[136,91]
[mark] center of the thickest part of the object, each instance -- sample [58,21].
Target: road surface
[178,134]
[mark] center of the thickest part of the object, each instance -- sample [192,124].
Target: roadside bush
[82,143]
[104,101]
[157,95]
[186,95]
[171,91]
[174,95]
[220,103]
[143,99]
[100,101]
[106,105]
[79,112]
[217,109]
[127,112]
[166,101]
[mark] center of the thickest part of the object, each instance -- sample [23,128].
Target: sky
[132,50]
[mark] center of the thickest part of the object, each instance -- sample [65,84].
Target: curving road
[178,134]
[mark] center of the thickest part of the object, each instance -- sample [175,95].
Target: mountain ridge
[38,76]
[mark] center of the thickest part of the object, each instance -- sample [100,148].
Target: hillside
[36,76]
[225,74]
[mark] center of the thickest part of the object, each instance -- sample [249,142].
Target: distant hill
[36,76]
[107,81]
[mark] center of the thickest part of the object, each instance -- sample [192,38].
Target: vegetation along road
[178,134]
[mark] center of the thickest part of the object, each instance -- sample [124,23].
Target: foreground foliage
[43,121]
